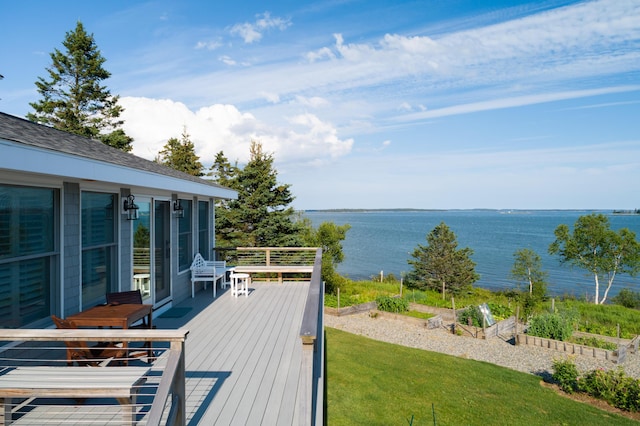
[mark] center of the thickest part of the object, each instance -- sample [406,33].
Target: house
[79,219]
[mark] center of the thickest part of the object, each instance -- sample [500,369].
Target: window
[28,253]
[98,246]
[185,236]
[203,229]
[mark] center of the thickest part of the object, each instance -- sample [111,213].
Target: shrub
[565,374]
[471,316]
[627,298]
[500,311]
[612,386]
[551,326]
[392,304]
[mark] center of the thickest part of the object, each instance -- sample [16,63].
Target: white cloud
[312,102]
[227,60]
[273,98]
[253,31]
[514,102]
[322,53]
[208,45]
[151,122]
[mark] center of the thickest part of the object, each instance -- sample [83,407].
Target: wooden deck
[243,355]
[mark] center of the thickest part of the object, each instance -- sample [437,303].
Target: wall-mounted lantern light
[130,207]
[178,211]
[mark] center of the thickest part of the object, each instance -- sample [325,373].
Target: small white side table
[239,284]
[141,282]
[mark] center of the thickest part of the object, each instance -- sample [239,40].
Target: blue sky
[371,104]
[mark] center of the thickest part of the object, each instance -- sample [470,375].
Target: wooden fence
[503,329]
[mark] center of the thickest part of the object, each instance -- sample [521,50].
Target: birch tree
[594,246]
[527,267]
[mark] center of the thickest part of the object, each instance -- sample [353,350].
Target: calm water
[384,240]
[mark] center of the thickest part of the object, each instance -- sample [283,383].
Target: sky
[430,104]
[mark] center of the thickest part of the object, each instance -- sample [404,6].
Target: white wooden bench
[121,383]
[205,270]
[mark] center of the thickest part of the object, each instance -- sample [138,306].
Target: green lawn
[376,383]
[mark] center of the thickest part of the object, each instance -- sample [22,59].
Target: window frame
[185,236]
[50,255]
[110,247]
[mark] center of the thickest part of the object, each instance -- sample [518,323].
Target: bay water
[384,240]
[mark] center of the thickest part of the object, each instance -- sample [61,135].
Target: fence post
[516,324]
[455,318]
[338,301]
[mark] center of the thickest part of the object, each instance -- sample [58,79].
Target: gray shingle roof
[37,135]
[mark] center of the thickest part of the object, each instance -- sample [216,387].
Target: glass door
[162,250]
[142,250]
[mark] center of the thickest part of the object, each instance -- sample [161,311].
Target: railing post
[178,387]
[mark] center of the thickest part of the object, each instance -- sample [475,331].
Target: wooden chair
[133,297]
[82,354]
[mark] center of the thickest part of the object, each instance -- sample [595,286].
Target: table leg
[148,343]
[128,410]
[7,418]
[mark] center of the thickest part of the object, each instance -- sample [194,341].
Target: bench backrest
[198,264]
[218,264]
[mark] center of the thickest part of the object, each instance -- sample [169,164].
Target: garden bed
[617,356]
[430,323]
[504,328]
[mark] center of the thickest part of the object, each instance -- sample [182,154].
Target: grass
[376,383]
[596,319]
[604,319]
[416,314]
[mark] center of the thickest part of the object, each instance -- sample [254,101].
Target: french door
[152,250]
[162,250]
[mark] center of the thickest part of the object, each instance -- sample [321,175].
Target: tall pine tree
[262,215]
[73,99]
[440,265]
[181,155]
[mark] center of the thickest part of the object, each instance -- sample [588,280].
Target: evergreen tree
[222,171]
[262,215]
[73,99]
[440,265]
[181,155]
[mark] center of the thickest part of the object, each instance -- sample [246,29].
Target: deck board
[243,355]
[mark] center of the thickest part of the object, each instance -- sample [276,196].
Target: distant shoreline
[630,212]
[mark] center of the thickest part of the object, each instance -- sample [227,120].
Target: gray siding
[71,275]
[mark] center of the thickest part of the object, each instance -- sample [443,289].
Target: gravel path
[527,359]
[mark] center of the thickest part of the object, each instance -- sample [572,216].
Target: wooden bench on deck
[121,383]
[274,269]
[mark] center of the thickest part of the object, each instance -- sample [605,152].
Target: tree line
[592,245]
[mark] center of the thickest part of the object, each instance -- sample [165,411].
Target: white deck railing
[163,387]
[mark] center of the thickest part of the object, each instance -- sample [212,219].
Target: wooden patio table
[115,315]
